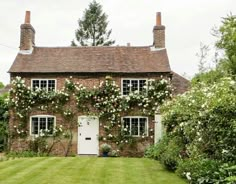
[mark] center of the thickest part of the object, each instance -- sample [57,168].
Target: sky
[188,23]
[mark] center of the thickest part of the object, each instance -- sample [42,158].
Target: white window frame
[130,79]
[147,125]
[41,116]
[40,79]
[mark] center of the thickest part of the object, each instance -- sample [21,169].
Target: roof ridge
[72,47]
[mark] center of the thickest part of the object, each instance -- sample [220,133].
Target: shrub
[105,148]
[38,145]
[154,151]
[114,153]
[206,171]
[15,154]
[4,116]
[168,151]
[170,156]
[231,178]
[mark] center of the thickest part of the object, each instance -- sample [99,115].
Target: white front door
[88,131]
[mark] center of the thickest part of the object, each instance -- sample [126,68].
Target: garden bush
[206,171]
[203,121]
[168,151]
[154,151]
[171,155]
[3,122]
[18,154]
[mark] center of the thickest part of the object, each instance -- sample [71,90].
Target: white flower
[224,151]
[232,82]
[188,175]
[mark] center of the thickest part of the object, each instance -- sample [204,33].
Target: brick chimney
[159,33]
[27,34]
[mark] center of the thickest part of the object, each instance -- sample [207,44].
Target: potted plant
[105,148]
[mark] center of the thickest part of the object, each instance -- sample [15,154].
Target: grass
[85,170]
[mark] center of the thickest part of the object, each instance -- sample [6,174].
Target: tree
[225,65]
[3,122]
[227,42]
[93,28]
[1,85]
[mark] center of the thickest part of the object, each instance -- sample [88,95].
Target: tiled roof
[180,84]
[92,59]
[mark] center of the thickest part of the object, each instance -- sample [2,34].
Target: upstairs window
[42,124]
[131,85]
[47,84]
[135,126]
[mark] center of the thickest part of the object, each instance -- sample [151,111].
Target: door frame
[78,143]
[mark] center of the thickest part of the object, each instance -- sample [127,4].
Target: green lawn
[85,170]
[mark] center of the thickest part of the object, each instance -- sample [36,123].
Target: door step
[87,155]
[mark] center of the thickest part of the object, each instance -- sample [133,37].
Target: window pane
[43,84]
[134,126]
[50,124]
[142,83]
[34,125]
[35,84]
[51,85]
[126,126]
[134,85]
[126,87]
[142,126]
[42,124]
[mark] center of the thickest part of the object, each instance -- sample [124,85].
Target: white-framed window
[42,123]
[131,85]
[48,84]
[135,125]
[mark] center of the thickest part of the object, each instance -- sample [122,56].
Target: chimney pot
[27,17]
[27,34]
[158,19]
[158,33]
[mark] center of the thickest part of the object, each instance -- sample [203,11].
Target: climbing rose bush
[104,101]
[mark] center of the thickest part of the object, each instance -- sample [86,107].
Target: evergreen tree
[92,29]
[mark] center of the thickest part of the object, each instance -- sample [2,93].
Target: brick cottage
[130,67]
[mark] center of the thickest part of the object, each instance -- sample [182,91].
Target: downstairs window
[135,125]
[42,124]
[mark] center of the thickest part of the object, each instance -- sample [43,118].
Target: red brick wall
[88,82]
